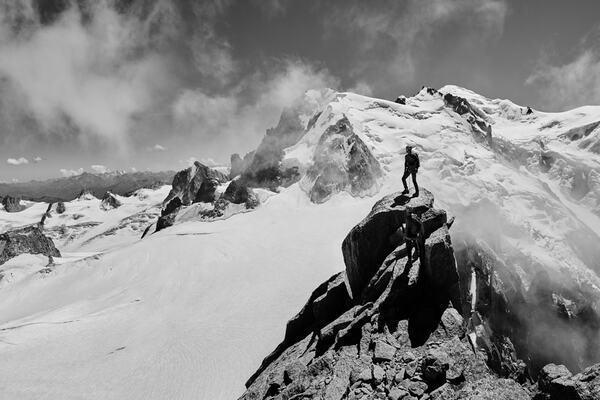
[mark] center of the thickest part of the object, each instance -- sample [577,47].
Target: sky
[105,85]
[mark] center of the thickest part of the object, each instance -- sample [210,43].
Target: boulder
[28,240]
[12,204]
[239,193]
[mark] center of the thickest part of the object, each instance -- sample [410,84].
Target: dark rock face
[396,339]
[168,214]
[207,191]
[12,204]
[368,243]
[400,100]
[109,201]
[187,183]
[239,193]
[28,240]
[342,161]
[476,118]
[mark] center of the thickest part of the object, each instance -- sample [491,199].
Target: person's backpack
[417,163]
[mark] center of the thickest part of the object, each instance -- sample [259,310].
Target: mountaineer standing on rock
[411,167]
[414,234]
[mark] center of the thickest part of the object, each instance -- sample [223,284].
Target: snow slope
[189,312]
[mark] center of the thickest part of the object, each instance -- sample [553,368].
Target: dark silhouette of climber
[411,167]
[414,237]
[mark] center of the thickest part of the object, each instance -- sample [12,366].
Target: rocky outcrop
[479,122]
[168,214]
[556,382]
[28,240]
[60,207]
[12,204]
[341,162]
[109,202]
[238,192]
[188,182]
[369,243]
[398,337]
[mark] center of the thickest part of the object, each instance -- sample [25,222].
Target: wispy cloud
[568,85]
[235,118]
[390,39]
[90,77]
[37,159]
[17,161]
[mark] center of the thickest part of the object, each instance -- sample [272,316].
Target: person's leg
[409,248]
[406,173]
[414,179]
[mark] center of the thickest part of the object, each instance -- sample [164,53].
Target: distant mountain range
[69,188]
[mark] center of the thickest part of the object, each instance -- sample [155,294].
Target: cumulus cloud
[100,169]
[37,159]
[572,84]
[70,172]
[17,161]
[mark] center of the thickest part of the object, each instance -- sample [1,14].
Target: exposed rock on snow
[28,240]
[188,182]
[109,201]
[341,162]
[60,207]
[239,193]
[12,204]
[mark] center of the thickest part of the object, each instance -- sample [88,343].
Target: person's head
[409,148]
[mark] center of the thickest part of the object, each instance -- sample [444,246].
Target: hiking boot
[416,194]
[405,191]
